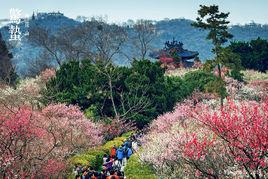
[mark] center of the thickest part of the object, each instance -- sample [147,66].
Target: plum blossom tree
[36,143]
[47,74]
[111,129]
[178,146]
[27,92]
[201,141]
[243,129]
[17,134]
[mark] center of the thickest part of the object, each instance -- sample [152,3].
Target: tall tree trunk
[219,69]
[111,96]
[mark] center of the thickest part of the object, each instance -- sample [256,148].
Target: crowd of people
[113,163]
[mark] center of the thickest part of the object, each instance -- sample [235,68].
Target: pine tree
[211,19]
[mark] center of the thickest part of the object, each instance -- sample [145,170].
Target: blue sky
[242,11]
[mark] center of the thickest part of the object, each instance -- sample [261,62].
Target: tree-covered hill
[180,29]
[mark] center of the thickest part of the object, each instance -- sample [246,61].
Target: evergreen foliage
[253,54]
[138,93]
[7,71]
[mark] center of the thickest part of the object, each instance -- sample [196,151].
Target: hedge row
[135,169]
[93,157]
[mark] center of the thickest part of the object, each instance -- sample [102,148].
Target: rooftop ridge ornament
[174,44]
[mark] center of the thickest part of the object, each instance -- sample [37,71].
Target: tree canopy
[253,54]
[139,93]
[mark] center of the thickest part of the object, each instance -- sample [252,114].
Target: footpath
[108,161]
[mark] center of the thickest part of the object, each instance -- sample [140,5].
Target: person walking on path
[105,158]
[129,153]
[120,155]
[128,143]
[108,165]
[125,150]
[113,152]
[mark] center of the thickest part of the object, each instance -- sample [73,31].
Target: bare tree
[42,38]
[38,64]
[137,104]
[144,33]
[126,103]
[108,40]
[95,40]
[77,42]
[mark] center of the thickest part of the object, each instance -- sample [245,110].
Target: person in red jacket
[113,151]
[113,175]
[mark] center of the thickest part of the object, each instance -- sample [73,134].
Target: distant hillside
[195,39]
[180,29]
[25,52]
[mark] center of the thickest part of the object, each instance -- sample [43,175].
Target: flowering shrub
[232,86]
[163,145]
[16,129]
[166,122]
[70,125]
[255,90]
[27,92]
[179,71]
[243,128]
[249,93]
[116,128]
[48,74]
[227,142]
[52,168]
[183,151]
[261,87]
[33,141]
[251,75]
[201,97]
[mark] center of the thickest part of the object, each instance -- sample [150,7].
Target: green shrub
[95,151]
[92,113]
[253,54]
[93,157]
[88,86]
[94,161]
[118,141]
[84,159]
[197,80]
[135,169]
[90,158]
[205,82]
[216,87]
[96,158]
[236,74]
[177,90]
[128,134]
[97,164]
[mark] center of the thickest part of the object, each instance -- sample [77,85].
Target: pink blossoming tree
[36,143]
[201,141]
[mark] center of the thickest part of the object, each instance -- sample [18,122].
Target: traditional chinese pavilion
[173,55]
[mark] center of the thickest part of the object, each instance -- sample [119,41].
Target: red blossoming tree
[36,143]
[202,141]
[243,128]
